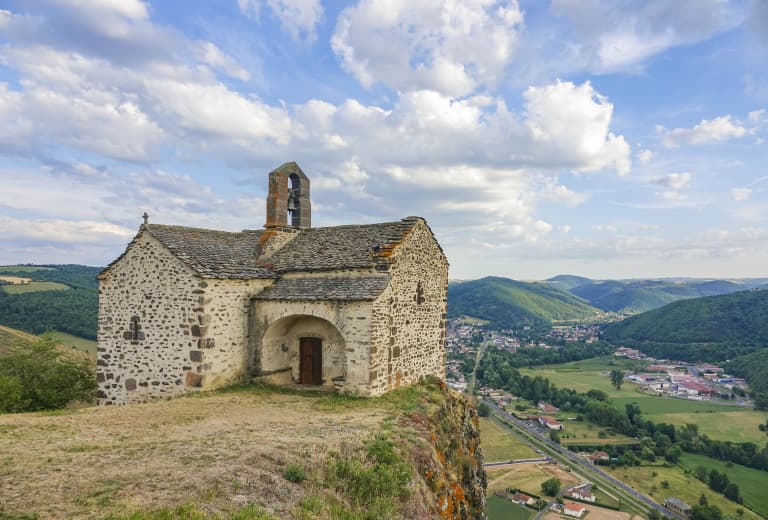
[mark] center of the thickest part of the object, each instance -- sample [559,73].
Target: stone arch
[279,349]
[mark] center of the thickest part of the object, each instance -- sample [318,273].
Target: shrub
[48,378]
[483,410]
[295,473]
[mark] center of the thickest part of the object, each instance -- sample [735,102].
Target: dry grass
[499,444]
[595,513]
[527,477]
[222,450]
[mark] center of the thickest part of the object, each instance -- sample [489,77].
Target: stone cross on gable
[145,216]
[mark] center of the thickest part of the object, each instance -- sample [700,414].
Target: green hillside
[72,311]
[633,296]
[509,303]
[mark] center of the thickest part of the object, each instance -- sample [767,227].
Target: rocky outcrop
[451,466]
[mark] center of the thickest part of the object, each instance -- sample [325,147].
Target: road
[583,465]
[511,462]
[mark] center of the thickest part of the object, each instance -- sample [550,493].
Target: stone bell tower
[288,193]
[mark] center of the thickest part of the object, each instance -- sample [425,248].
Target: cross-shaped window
[136,333]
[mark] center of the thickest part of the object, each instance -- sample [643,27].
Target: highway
[582,464]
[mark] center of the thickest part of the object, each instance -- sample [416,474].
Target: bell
[291,203]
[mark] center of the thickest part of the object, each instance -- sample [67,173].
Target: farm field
[719,421]
[68,340]
[527,477]
[584,432]
[34,287]
[500,444]
[595,513]
[648,480]
[500,509]
[752,482]
[586,375]
[23,268]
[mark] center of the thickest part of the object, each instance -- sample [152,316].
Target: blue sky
[606,139]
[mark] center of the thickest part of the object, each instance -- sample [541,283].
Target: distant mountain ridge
[511,303]
[634,296]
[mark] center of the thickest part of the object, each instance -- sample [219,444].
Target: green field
[686,487]
[35,287]
[719,421]
[68,340]
[500,509]
[22,269]
[583,380]
[584,432]
[752,483]
[500,444]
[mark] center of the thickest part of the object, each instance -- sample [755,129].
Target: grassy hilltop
[248,452]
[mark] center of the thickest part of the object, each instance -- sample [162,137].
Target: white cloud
[757,116]
[675,181]
[719,129]
[610,36]
[574,120]
[62,231]
[739,194]
[210,54]
[645,156]
[298,18]
[454,47]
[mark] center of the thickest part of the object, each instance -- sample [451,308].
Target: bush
[483,410]
[551,487]
[43,377]
[295,473]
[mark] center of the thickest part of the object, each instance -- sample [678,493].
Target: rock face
[452,466]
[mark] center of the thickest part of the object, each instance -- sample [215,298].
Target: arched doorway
[305,350]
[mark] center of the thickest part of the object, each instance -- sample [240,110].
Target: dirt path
[227,449]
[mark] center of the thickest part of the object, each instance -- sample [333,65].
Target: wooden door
[310,361]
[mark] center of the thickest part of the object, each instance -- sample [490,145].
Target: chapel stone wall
[191,331]
[408,321]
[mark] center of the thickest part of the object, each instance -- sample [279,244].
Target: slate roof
[214,254]
[340,247]
[223,254]
[324,288]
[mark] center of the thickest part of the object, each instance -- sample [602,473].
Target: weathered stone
[193,379]
[196,356]
[130,384]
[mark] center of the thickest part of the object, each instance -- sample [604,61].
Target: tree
[551,487]
[731,492]
[718,481]
[617,378]
[483,410]
[673,454]
[706,512]
[702,473]
[47,376]
[654,515]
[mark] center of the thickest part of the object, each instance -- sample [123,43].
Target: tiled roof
[341,247]
[223,254]
[213,254]
[325,288]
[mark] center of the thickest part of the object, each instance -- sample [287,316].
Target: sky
[609,139]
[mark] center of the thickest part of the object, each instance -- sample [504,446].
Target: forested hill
[714,328]
[59,297]
[509,303]
[632,296]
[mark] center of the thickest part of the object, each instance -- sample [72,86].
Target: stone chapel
[359,308]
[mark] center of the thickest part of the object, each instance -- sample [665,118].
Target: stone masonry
[187,309]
